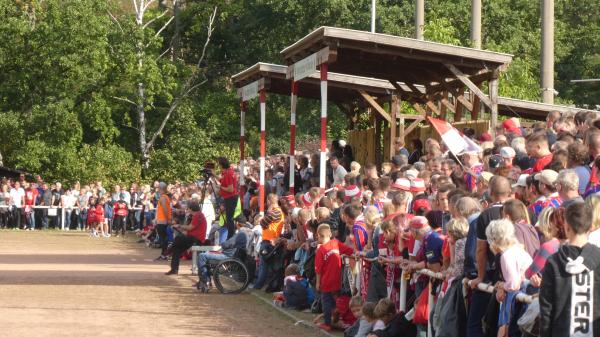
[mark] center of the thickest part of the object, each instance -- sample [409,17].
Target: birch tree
[149,62]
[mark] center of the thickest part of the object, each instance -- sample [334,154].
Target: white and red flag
[456,142]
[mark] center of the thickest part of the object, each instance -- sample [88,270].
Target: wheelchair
[230,276]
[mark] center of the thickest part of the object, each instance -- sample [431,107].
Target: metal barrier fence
[62,211]
[485,287]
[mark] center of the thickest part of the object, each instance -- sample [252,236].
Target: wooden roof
[395,58]
[344,88]
[531,110]
[341,88]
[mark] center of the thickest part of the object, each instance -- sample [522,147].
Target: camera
[207,173]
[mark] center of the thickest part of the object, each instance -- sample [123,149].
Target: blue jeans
[204,259]
[328,304]
[82,218]
[477,309]
[262,267]
[68,213]
[30,219]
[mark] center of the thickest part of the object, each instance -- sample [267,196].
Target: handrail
[488,288]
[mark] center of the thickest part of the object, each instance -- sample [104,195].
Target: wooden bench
[197,249]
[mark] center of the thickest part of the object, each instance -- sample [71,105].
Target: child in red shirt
[91,218]
[328,267]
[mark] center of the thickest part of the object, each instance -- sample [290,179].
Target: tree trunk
[177,34]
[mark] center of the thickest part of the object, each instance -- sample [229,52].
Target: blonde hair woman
[457,238]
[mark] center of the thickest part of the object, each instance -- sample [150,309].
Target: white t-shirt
[338,175]
[69,201]
[17,196]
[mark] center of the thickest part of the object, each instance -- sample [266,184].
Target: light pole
[373,11]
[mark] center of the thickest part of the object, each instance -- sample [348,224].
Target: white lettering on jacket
[582,304]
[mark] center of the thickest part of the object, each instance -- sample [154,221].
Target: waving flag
[456,143]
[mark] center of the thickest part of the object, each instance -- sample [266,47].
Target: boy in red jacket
[328,267]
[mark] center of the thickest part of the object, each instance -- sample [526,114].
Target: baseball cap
[485,137]
[547,177]
[522,181]
[418,222]
[421,203]
[507,152]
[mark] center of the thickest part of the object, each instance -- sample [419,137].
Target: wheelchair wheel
[231,276]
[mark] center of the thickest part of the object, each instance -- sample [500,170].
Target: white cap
[507,152]
[522,181]
[195,196]
[342,143]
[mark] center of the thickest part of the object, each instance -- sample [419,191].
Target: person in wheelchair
[231,248]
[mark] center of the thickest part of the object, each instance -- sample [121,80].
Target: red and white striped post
[263,150]
[323,125]
[242,145]
[293,135]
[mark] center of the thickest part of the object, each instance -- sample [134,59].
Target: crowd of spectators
[521,215]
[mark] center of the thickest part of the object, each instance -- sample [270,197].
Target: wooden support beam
[444,106]
[459,94]
[467,81]
[459,106]
[420,109]
[447,104]
[413,125]
[481,76]
[406,116]
[373,104]
[378,150]
[395,110]
[493,89]
[476,108]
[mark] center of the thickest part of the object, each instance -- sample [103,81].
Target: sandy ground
[69,284]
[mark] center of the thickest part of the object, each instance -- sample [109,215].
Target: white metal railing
[62,211]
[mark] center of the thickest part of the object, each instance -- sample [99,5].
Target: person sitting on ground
[297,293]
[195,233]
[364,324]
[395,323]
[242,240]
[569,294]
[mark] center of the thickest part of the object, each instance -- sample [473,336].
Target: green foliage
[69,75]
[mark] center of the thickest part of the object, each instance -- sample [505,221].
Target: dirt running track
[69,284]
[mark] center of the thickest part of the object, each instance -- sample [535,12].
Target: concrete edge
[294,318]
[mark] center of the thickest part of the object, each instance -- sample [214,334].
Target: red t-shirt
[99,213]
[120,209]
[91,215]
[30,196]
[542,162]
[227,179]
[328,264]
[198,230]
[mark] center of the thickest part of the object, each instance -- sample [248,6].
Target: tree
[154,75]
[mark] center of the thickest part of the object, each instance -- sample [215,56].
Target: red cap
[418,222]
[485,137]
[421,203]
[510,126]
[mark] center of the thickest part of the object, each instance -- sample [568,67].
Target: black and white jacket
[570,293]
